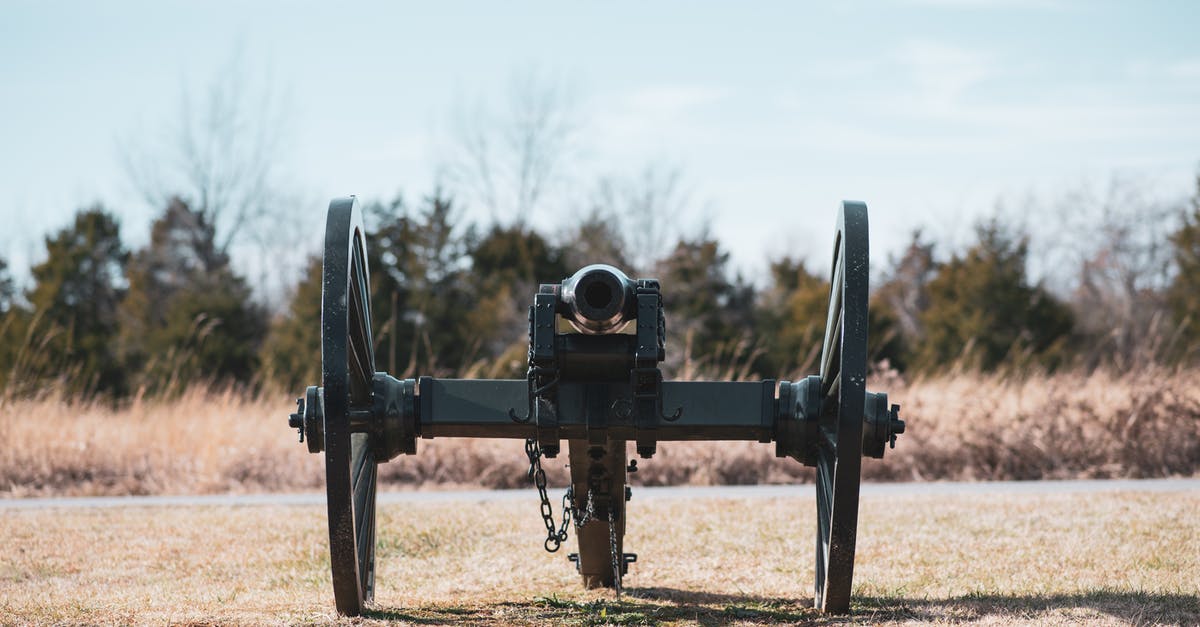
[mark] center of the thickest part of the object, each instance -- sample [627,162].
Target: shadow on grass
[652,606]
[1124,606]
[637,606]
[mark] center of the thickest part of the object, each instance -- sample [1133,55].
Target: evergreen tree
[710,317]
[1183,294]
[507,265]
[421,301]
[74,298]
[518,256]
[188,317]
[982,309]
[10,323]
[905,287]
[791,317]
[292,350]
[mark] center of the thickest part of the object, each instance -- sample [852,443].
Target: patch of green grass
[774,611]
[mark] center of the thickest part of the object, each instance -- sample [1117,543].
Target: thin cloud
[941,73]
[1188,68]
[989,4]
[673,99]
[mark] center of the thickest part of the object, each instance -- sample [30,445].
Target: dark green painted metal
[712,410]
[798,423]
[393,417]
[347,367]
[843,378]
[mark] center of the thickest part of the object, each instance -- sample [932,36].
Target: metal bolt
[296,420]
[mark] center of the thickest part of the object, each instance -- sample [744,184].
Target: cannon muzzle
[598,299]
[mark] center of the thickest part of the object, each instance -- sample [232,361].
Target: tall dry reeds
[201,441]
[961,427]
[1068,425]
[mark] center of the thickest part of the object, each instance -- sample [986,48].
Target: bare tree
[905,283]
[509,160]
[654,204]
[222,155]
[1115,242]
[645,212]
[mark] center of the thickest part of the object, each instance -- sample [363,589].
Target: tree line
[449,298]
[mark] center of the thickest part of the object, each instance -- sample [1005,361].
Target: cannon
[596,343]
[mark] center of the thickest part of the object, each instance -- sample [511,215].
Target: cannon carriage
[596,343]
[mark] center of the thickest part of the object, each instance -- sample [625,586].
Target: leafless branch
[649,208]
[222,154]
[508,161]
[1115,242]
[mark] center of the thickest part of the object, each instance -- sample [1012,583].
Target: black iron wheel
[347,367]
[843,387]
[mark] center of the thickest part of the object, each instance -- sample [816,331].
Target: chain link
[617,557]
[554,537]
[557,534]
[589,509]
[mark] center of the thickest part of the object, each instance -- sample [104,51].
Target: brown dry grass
[1115,558]
[964,427]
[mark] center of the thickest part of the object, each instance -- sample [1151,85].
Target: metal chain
[616,555]
[589,509]
[554,537]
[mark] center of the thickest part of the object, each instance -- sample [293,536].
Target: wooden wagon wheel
[347,367]
[843,385]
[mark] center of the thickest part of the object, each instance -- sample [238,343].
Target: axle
[601,383]
[787,413]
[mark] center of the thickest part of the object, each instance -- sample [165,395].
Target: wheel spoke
[833,315]
[824,518]
[365,523]
[827,440]
[362,287]
[832,349]
[834,387]
[362,358]
[360,366]
[358,369]
[362,462]
[825,496]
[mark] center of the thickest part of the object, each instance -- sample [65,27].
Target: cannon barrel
[598,299]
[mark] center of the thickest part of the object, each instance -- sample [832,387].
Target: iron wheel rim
[347,367]
[843,385]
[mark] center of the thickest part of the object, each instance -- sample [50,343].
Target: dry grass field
[1108,559]
[964,427]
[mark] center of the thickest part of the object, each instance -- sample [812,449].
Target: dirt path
[640,493]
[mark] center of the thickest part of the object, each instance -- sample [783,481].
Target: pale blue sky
[928,110]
